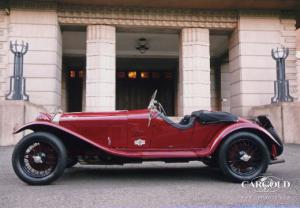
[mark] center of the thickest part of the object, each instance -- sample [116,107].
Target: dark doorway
[137,78]
[74,69]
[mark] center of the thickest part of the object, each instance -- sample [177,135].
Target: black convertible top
[208,117]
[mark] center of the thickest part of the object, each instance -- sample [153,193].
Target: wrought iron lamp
[281,85]
[17,81]
[142,45]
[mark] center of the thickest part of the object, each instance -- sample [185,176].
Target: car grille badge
[139,142]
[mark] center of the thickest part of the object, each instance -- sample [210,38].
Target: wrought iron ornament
[17,81]
[281,85]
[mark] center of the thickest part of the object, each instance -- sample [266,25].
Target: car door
[166,136]
[138,132]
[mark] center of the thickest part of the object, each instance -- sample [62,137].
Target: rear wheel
[39,158]
[243,156]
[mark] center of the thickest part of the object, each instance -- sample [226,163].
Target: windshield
[152,100]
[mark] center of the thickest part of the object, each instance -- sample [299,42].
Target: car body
[136,136]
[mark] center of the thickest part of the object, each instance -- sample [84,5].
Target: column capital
[200,35]
[101,32]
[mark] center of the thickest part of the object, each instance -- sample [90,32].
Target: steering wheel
[154,105]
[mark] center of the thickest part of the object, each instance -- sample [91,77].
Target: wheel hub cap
[245,157]
[37,159]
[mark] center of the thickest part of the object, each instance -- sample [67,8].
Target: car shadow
[161,173]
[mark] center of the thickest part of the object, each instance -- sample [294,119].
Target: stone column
[298,61]
[4,51]
[252,68]
[225,87]
[100,68]
[194,73]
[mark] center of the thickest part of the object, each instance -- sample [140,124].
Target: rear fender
[249,127]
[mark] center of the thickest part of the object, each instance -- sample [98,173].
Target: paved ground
[146,185]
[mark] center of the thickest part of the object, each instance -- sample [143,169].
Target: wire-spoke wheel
[39,158]
[243,156]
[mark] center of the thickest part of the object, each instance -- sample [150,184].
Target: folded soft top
[208,117]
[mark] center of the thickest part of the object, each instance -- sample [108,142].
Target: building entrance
[74,78]
[136,80]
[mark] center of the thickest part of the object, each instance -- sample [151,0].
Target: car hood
[94,114]
[104,114]
[56,118]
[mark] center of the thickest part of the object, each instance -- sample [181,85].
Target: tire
[243,156]
[39,158]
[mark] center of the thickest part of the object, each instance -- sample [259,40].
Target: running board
[276,161]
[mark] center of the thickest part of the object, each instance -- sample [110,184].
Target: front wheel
[39,158]
[243,157]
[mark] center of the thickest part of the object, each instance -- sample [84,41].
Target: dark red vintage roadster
[242,149]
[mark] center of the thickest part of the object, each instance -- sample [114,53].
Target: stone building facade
[236,79]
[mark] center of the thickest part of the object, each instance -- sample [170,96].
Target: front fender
[250,127]
[34,126]
[51,127]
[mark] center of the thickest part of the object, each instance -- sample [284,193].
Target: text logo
[266,184]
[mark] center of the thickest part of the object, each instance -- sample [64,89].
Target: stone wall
[252,68]
[251,65]
[42,63]
[4,22]
[285,117]
[14,114]
[288,39]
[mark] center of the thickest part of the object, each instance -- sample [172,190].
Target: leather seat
[185,120]
[203,116]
